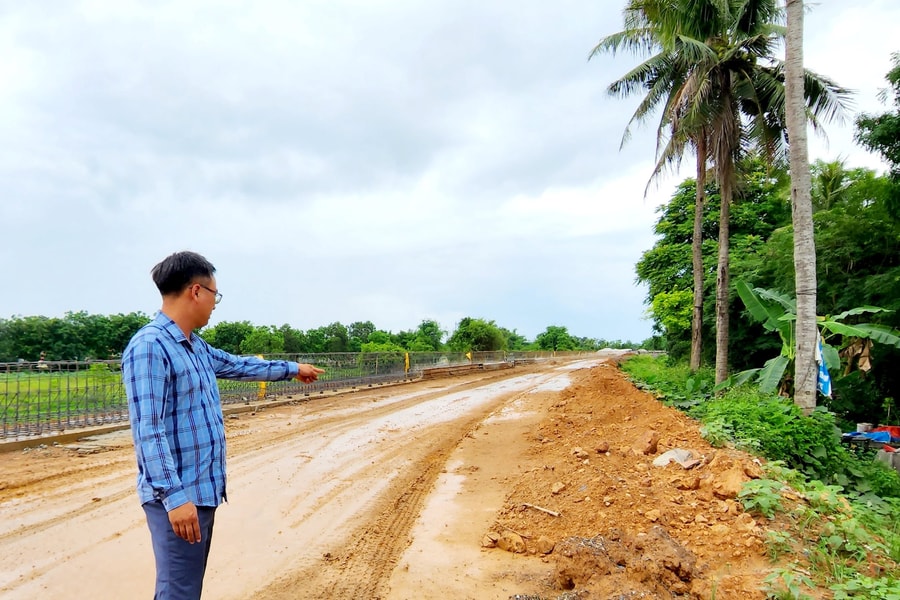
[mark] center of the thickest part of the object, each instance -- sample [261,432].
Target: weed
[762,496]
[786,584]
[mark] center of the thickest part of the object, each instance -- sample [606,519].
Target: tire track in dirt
[73,513]
[371,552]
[343,477]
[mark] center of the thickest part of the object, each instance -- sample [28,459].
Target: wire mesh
[44,397]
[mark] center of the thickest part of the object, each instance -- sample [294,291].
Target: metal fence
[40,398]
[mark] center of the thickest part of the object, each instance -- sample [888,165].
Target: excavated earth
[536,482]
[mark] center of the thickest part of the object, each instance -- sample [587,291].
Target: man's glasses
[217,294]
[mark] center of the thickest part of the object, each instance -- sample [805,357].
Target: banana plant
[778,313]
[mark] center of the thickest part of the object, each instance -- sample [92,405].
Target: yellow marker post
[407,362]
[261,393]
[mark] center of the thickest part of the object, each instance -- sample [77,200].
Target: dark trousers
[180,566]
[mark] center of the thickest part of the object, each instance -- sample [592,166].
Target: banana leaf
[789,304]
[832,357]
[879,333]
[771,374]
[766,313]
[858,311]
[737,379]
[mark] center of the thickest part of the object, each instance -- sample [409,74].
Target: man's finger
[195,531]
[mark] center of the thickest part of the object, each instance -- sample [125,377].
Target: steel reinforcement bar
[43,398]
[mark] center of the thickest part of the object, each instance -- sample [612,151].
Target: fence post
[261,393]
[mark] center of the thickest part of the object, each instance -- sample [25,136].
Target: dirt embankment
[537,482]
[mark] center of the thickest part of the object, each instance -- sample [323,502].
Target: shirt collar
[164,321]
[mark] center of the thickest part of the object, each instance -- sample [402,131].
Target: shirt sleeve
[147,381]
[250,368]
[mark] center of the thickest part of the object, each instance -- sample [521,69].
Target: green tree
[122,328]
[714,74]
[428,337]
[881,134]
[515,342]
[476,335]
[555,338]
[858,264]
[228,335]
[666,267]
[358,333]
[263,340]
[315,341]
[829,184]
[807,336]
[293,339]
[404,339]
[382,347]
[337,339]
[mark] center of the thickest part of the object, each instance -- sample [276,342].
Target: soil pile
[615,524]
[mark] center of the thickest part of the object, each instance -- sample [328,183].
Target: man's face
[205,294]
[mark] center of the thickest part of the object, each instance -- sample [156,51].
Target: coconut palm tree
[807,331]
[721,91]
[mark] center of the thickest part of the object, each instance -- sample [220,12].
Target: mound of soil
[615,524]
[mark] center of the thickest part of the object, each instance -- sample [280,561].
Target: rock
[511,542]
[728,484]
[745,522]
[683,457]
[753,470]
[602,448]
[647,443]
[579,453]
[543,545]
[557,487]
[490,539]
[686,482]
[653,515]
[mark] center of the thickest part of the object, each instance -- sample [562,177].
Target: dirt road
[326,498]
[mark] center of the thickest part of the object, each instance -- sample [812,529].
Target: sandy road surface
[323,496]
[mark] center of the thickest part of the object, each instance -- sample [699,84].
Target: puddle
[557,384]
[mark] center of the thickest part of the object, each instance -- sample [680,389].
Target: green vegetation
[858,247]
[778,313]
[712,70]
[837,512]
[76,336]
[82,337]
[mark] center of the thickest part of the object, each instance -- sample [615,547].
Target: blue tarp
[875,436]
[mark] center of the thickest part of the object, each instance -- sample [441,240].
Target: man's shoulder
[151,333]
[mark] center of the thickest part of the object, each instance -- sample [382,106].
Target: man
[170,375]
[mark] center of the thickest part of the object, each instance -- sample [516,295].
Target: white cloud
[344,161]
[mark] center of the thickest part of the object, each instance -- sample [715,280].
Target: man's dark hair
[177,271]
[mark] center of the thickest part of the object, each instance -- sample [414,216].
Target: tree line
[83,336]
[711,73]
[856,221]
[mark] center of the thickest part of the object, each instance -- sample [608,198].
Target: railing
[40,398]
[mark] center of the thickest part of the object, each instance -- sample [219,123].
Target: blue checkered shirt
[176,414]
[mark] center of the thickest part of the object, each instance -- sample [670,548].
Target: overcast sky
[348,160]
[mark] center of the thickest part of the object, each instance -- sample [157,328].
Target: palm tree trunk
[697,255]
[805,372]
[722,283]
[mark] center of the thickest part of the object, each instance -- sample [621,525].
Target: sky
[350,160]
